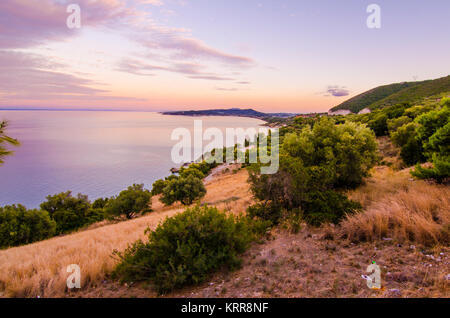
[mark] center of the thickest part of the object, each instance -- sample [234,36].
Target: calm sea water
[94,153]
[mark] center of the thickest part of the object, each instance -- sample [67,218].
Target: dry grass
[39,269]
[400,208]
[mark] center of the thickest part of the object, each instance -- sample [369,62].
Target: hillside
[388,95]
[312,263]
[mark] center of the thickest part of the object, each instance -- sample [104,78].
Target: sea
[96,153]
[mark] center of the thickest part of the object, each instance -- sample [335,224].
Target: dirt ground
[312,264]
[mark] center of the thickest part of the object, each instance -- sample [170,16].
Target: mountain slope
[388,95]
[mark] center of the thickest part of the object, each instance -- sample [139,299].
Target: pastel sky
[270,55]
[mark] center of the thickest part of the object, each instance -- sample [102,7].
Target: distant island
[236,112]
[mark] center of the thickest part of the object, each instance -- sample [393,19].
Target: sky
[270,55]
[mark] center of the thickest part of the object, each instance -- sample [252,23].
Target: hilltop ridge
[388,95]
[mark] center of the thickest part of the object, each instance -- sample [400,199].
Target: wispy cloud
[191,70]
[28,23]
[226,89]
[26,76]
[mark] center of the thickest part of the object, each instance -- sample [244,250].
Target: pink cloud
[27,76]
[193,70]
[27,23]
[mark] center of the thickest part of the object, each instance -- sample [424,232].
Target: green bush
[379,124]
[186,190]
[328,207]
[100,203]
[130,202]
[69,212]
[434,133]
[266,211]
[20,226]
[191,172]
[315,161]
[411,148]
[158,186]
[187,248]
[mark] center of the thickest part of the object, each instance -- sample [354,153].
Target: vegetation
[398,209]
[64,213]
[69,212]
[183,189]
[399,93]
[420,131]
[434,134]
[366,99]
[187,248]
[4,139]
[20,226]
[130,202]
[314,164]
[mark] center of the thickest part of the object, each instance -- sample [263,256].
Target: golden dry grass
[401,208]
[39,269]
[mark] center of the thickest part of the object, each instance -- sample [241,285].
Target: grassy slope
[392,94]
[312,263]
[319,263]
[39,269]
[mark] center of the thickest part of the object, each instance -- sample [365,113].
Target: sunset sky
[270,55]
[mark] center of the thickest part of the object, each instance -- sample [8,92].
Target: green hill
[388,95]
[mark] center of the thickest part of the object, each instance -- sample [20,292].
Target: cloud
[28,23]
[192,70]
[188,48]
[336,91]
[28,76]
[226,89]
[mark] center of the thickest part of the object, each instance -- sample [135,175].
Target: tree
[183,189]
[313,165]
[158,186]
[434,133]
[4,139]
[134,200]
[69,212]
[20,226]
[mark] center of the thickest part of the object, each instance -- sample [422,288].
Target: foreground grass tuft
[401,209]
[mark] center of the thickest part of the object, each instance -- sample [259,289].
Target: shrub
[21,226]
[158,186]
[129,202]
[411,148]
[187,248]
[379,124]
[434,133]
[266,211]
[186,190]
[100,203]
[191,171]
[95,215]
[328,207]
[69,212]
[313,164]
